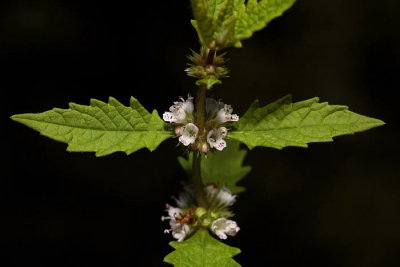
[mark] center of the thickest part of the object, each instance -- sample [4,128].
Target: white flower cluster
[217,114]
[183,220]
[222,199]
[181,113]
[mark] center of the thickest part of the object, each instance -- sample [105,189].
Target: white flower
[180,231]
[215,138]
[173,212]
[220,197]
[212,106]
[223,227]
[225,114]
[211,191]
[218,113]
[225,197]
[189,134]
[180,111]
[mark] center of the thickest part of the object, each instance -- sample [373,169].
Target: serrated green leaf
[224,23]
[283,123]
[255,15]
[103,128]
[224,168]
[202,250]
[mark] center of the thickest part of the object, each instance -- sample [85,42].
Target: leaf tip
[256,103]
[15,117]
[380,123]
[20,118]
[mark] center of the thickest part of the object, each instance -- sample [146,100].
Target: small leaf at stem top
[224,23]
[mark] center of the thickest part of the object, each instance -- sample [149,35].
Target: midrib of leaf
[291,128]
[95,129]
[202,249]
[105,129]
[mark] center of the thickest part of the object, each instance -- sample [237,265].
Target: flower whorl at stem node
[217,115]
[209,72]
[187,217]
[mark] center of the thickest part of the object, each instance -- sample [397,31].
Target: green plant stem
[196,168]
[200,121]
[198,184]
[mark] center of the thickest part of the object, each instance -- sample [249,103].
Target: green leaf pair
[224,23]
[106,128]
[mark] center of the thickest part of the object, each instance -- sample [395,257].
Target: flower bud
[204,148]
[210,68]
[200,212]
[206,222]
[178,131]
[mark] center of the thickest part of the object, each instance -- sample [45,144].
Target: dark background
[334,204]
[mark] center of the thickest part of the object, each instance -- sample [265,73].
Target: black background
[334,204]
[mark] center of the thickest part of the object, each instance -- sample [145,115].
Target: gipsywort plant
[207,128]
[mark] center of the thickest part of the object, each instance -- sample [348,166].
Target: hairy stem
[200,121]
[198,184]
[196,168]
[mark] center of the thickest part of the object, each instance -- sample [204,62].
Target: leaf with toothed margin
[202,250]
[283,123]
[103,128]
